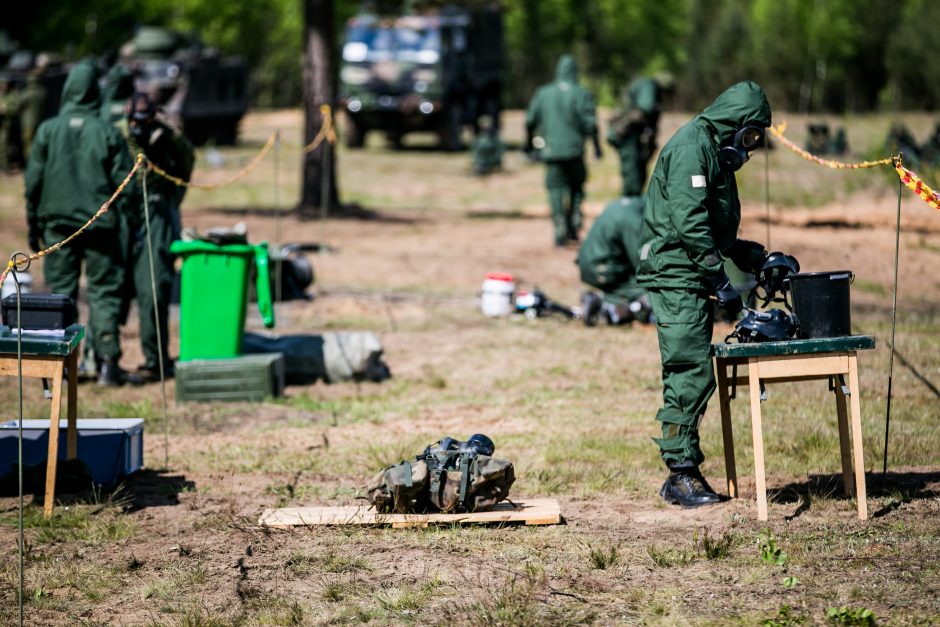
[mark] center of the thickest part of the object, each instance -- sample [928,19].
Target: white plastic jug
[496,297]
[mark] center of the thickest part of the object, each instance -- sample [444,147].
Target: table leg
[72,407]
[53,459]
[731,472]
[844,445]
[758,435]
[860,492]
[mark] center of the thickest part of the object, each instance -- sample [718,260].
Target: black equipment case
[40,311]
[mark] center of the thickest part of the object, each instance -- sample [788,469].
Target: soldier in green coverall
[690,225]
[608,259]
[563,115]
[632,131]
[76,163]
[172,153]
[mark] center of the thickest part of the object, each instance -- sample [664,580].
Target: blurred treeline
[810,55]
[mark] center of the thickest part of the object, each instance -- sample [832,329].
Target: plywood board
[531,512]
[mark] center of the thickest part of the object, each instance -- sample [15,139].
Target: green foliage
[718,548]
[770,553]
[790,581]
[784,618]
[601,559]
[862,617]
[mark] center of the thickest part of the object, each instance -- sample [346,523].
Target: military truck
[205,92]
[434,71]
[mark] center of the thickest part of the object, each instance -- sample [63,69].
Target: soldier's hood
[567,69]
[81,89]
[740,104]
[118,83]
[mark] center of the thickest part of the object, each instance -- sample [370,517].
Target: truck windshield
[393,43]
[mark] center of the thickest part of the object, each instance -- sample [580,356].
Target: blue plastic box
[112,447]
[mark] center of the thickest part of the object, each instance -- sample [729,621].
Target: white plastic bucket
[496,296]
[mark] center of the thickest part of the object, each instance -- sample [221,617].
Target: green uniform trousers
[684,325]
[100,251]
[565,182]
[634,163]
[164,229]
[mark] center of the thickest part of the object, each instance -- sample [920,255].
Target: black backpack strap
[465,461]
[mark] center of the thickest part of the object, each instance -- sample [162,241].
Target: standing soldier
[172,153]
[76,163]
[632,130]
[563,114]
[33,99]
[9,110]
[118,87]
[690,225]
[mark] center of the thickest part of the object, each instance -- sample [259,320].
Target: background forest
[809,55]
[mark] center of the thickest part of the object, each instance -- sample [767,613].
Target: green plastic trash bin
[214,295]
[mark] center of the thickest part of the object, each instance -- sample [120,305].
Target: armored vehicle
[205,92]
[434,71]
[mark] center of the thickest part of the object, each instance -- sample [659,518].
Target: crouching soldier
[608,259]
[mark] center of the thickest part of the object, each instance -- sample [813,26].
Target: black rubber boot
[687,487]
[590,307]
[112,375]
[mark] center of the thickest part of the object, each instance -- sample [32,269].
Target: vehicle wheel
[449,131]
[394,140]
[355,135]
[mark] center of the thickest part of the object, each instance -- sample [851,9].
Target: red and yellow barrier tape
[916,185]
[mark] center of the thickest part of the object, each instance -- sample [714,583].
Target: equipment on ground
[448,476]
[434,71]
[773,325]
[536,304]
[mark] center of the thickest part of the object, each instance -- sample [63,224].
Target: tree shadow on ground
[348,211]
[150,488]
[898,487]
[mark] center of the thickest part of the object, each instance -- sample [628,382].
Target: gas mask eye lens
[751,137]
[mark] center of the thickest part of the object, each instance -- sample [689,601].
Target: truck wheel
[449,131]
[355,135]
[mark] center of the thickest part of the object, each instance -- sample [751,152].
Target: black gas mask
[745,140]
[141,118]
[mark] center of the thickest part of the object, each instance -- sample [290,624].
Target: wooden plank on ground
[531,512]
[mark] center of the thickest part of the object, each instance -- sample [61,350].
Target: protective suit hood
[81,92]
[567,69]
[119,83]
[739,104]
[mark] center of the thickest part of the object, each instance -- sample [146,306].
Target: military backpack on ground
[448,476]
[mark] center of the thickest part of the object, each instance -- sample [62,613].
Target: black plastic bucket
[821,303]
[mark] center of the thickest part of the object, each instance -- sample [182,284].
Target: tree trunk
[318,188]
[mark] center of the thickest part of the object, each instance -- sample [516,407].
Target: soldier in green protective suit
[118,88]
[172,153]
[76,163]
[33,96]
[690,224]
[632,131]
[561,115]
[608,260]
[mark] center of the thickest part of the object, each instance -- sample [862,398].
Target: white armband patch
[698,180]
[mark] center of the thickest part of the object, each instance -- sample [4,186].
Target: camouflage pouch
[401,489]
[471,483]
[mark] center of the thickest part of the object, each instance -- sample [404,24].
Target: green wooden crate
[246,378]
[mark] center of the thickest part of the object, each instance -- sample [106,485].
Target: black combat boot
[686,486]
[110,374]
[590,307]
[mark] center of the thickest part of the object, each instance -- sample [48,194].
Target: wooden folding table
[48,357]
[755,364]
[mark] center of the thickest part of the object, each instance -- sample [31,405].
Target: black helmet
[481,444]
[777,267]
[765,326]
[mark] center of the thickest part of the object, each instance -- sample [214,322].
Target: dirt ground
[572,407]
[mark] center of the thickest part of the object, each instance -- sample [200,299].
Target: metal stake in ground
[156,320]
[19,459]
[894,324]
[767,186]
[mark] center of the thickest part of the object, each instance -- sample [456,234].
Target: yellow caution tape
[777,131]
[238,175]
[326,132]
